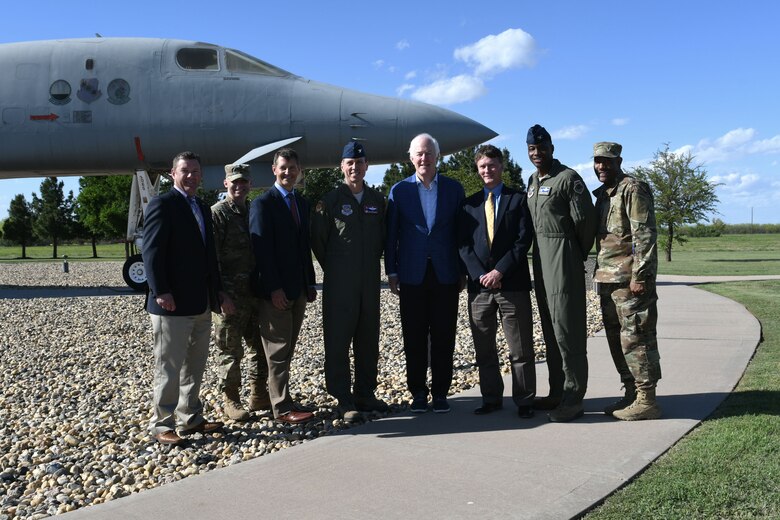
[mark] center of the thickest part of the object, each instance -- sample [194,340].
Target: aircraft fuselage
[115,105]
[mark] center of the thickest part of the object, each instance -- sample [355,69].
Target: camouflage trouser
[229,331]
[630,322]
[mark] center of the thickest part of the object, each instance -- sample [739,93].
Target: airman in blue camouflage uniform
[626,269]
[236,261]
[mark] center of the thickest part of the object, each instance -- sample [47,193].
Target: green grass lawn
[724,255]
[74,252]
[729,467]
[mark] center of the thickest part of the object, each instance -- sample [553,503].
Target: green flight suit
[564,228]
[347,239]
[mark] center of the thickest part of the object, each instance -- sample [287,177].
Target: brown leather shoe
[205,427]
[295,417]
[169,437]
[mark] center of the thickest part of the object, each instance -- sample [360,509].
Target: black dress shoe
[525,412]
[487,408]
[547,403]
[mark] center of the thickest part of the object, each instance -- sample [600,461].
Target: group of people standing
[252,267]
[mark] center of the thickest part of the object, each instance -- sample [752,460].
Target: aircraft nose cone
[453,131]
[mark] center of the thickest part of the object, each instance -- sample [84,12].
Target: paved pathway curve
[462,466]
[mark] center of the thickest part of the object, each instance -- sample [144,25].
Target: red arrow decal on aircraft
[47,117]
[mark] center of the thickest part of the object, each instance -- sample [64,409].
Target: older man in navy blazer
[421,261]
[184,288]
[495,233]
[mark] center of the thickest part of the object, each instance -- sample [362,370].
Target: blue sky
[702,76]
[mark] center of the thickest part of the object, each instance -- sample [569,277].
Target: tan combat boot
[643,407]
[233,408]
[258,397]
[626,401]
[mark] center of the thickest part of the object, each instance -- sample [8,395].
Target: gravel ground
[75,393]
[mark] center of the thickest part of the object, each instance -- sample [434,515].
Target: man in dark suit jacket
[184,288]
[421,261]
[279,225]
[495,233]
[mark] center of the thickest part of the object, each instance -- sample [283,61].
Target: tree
[102,207]
[462,167]
[53,212]
[395,173]
[682,193]
[19,225]
[319,181]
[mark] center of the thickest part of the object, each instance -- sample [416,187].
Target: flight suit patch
[371,210]
[346,210]
[579,187]
[545,190]
[531,191]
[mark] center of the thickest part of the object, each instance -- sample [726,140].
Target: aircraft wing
[265,149]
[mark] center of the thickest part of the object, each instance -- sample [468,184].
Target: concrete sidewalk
[460,465]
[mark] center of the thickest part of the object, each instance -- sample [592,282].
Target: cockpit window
[237,61]
[197,59]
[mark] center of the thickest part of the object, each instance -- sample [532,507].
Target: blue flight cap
[538,135]
[353,150]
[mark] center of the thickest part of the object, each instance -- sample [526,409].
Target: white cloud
[403,44]
[735,138]
[584,169]
[735,181]
[513,48]
[570,132]
[410,75]
[620,121]
[766,146]
[733,144]
[404,88]
[451,90]
[378,64]
[392,68]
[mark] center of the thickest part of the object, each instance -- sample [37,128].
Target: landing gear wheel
[134,273]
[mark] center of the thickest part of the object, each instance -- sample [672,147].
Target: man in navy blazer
[284,278]
[184,288]
[495,233]
[421,261]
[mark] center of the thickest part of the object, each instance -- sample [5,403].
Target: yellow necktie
[490,217]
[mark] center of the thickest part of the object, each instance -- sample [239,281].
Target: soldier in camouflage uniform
[236,261]
[347,238]
[564,227]
[626,268]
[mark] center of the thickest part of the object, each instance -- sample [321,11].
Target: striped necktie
[198,217]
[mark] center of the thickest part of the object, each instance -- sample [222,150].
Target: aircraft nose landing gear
[134,273]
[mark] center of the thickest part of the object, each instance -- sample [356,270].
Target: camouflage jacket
[626,238]
[234,247]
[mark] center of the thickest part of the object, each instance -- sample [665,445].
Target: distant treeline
[718,228]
